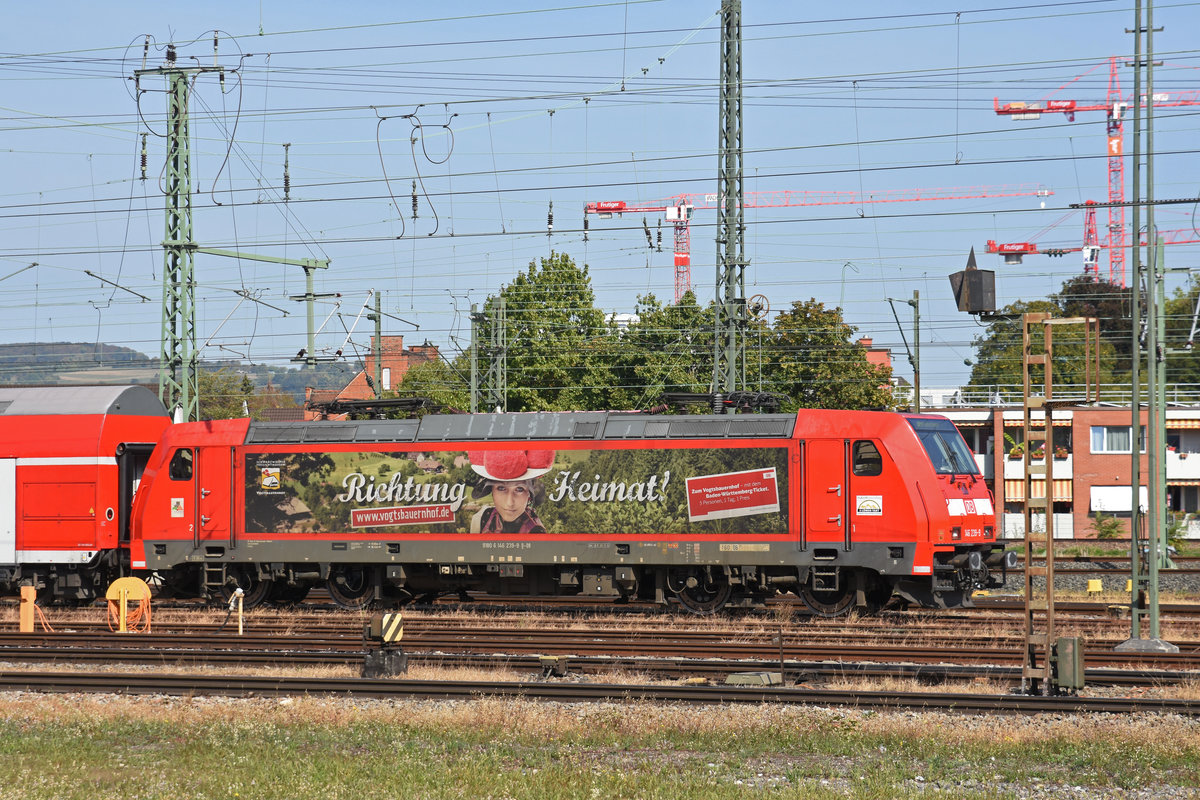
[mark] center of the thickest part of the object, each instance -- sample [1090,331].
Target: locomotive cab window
[867,460]
[945,446]
[181,465]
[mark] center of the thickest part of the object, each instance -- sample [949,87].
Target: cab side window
[867,460]
[181,465]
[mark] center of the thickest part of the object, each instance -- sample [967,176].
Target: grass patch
[106,746]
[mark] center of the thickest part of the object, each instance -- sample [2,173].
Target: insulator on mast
[145,157]
[649,237]
[585,226]
[414,199]
[287,178]
[659,236]
[550,218]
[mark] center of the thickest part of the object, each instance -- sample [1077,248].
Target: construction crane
[1115,107]
[1014,252]
[678,210]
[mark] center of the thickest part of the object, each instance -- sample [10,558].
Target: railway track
[796,646]
[249,686]
[714,669]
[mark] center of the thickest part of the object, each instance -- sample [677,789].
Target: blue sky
[536,103]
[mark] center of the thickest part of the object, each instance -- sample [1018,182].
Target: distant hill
[86,362]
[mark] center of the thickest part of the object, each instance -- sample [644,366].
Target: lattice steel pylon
[1039,671]
[177,374]
[491,393]
[730,307]
[178,386]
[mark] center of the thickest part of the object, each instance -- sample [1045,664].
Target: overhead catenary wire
[521,233]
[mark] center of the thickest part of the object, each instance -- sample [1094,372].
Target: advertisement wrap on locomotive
[842,508]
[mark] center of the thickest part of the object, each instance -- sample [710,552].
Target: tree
[665,349]
[999,357]
[442,383]
[1110,304]
[267,397]
[224,394]
[559,347]
[809,357]
[1183,362]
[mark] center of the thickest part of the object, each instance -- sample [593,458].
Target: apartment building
[1091,461]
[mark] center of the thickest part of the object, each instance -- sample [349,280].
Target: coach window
[181,465]
[867,460]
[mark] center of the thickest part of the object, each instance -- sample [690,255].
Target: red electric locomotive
[70,460]
[843,508]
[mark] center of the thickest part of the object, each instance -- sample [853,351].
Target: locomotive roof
[540,425]
[54,400]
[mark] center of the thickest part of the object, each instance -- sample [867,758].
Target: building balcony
[1014,468]
[1182,466]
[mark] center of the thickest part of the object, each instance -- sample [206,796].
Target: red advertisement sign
[732,494]
[400,515]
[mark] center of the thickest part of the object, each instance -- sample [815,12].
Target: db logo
[970,506]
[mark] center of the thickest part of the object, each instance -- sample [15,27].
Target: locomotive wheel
[284,595]
[351,586]
[703,599]
[828,602]
[255,591]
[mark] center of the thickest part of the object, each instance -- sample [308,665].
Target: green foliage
[1183,361]
[47,362]
[810,358]
[227,393]
[1106,526]
[224,394]
[1177,528]
[442,383]
[558,344]
[563,354]
[1110,304]
[669,348]
[998,351]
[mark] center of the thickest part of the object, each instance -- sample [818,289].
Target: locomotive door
[826,491]
[214,506]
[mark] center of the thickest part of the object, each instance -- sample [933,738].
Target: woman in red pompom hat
[510,477]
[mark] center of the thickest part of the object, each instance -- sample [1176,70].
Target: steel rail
[580,643]
[250,686]
[794,670]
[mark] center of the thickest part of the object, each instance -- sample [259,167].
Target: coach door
[825,492]
[214,494]
[8,511]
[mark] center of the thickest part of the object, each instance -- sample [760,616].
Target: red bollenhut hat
[511,465]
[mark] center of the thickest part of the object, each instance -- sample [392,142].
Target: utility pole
[308,354]
[377,349]
[914,355]
[1144,584]
[730,308]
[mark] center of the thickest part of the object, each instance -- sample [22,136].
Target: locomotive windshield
[945,446]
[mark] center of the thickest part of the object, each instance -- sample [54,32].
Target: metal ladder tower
[730,308]
[1042,671]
